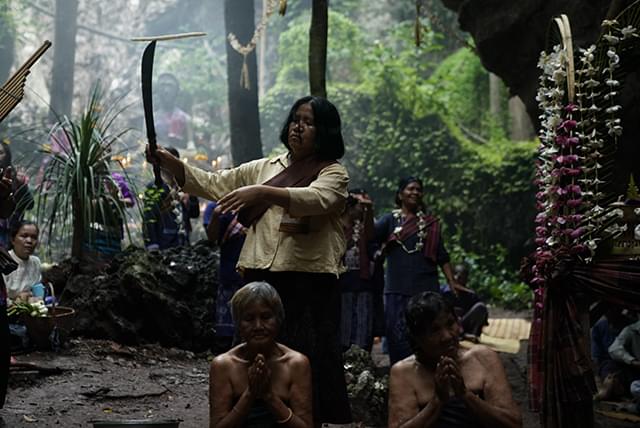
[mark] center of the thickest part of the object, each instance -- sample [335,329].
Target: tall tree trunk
[520,126]
[318,47]
[64,55]
[7,41]
[495,95]
[244,118]
[262,56]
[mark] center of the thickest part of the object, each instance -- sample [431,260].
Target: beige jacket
[266,247]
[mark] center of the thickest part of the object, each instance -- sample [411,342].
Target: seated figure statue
[442,384]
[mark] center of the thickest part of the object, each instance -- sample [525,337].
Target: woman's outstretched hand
[241,198]
[166,161]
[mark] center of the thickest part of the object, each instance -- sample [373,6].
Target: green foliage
[77,188]
[405,113]
[490,276]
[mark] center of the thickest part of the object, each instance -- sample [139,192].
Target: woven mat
[503,334]
[508,328]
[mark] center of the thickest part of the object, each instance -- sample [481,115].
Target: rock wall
[509,36]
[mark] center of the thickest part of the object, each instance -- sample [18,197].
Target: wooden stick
[168,37]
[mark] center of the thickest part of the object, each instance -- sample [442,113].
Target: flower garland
[422,232]
[571,219]
[355,234]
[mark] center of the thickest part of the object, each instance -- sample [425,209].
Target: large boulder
[509,35]
[165,297]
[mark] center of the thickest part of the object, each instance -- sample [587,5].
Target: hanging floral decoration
[245,50]
[580,127]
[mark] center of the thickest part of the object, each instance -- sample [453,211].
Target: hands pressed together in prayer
[449,381]
[260,378]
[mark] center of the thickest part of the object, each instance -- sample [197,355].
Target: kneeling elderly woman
[443,384]
[259,383]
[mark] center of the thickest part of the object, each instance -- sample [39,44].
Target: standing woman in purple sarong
[291,205]
[414,250]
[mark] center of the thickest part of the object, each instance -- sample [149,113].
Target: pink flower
[561,140]
[577,249]
[574,203]
[575,218]
[578,232]
[541,218]
[573,141]
[540,241]
[570,108]
[574,188]
[541,231]
[567,125]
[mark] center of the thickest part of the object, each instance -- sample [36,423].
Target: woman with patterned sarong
[414,250]
[357,282]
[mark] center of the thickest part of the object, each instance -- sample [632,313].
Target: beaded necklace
[422,233]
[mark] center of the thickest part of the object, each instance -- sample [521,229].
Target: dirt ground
[100,380]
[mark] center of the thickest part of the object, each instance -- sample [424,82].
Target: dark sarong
[312,326]
[395,306]
[357,319]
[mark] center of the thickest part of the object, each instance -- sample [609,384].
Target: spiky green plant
[74,192]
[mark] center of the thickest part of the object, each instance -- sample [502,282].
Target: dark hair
[403,184]
[7,156]
[173,151]
[15,228]
[422,310]
[329,144]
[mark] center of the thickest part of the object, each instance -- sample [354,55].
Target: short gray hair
[252,292]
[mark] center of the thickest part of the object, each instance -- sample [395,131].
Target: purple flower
[541,218]
[574,188]
[577,249]
[541,231]
[574,203]
[578,232]
[569,108]
[567,125]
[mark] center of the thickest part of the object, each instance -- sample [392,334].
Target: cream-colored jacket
[266,247]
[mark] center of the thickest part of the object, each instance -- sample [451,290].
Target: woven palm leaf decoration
[580,127]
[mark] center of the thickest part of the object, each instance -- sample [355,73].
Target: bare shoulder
[294,358]
[403,368]
[227,360]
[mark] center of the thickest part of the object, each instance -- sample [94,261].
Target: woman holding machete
[291,205]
